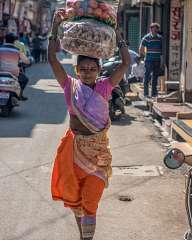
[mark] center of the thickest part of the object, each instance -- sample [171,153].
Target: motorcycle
[174,159]
[118,98]
[9,93]
[116,103]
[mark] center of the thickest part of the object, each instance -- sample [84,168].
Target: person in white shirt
[137,72]
[138,69]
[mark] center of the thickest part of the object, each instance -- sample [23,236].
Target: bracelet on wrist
[122,44]
[53,37]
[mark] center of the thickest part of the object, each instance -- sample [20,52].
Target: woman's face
[88,71]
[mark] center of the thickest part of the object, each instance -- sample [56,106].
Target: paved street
[28,140]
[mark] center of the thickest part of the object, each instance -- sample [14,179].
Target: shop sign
[175,40]
[1,11]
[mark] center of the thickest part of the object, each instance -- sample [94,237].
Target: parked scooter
[9,93]
[173,160]
[118,99]
[116,103]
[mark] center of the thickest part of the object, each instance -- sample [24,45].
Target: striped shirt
[9,59]
[153,44]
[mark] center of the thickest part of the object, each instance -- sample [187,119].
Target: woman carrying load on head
[83,162]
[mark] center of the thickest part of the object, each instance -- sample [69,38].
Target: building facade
[175,18]
[186,69]
[26,15]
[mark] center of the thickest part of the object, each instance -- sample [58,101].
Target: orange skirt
[72,184]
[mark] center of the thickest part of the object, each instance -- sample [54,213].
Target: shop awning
[135,2]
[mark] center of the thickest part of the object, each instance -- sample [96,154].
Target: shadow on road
[124,120]
[35,229]
[45,104]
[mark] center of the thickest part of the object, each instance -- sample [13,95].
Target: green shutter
[133,32]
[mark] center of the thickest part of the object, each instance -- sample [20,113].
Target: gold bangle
[53,37]
[122,44]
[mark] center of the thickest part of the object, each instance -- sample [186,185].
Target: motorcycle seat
[8,75]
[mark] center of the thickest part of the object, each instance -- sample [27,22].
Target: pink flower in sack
[90,11]
[69,3]
[70,12]
[77,4]
[93,4]
[105,15]
[104,6]
[98,12]
[80,12]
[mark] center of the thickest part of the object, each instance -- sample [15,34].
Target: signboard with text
[1,11]
[175,40]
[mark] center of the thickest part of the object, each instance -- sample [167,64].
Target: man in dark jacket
[36,44]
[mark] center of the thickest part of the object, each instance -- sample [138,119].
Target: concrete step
[167,110]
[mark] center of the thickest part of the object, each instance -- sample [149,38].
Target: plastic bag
[88,37]
[102,10]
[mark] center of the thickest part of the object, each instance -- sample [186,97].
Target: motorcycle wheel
[122,109]
[127,101]
[5,111]
[112,112]
[188,236]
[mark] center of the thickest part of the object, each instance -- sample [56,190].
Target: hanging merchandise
[12,26]
[25,26]
[6,9]
[89,28]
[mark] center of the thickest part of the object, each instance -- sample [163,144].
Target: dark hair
[139,58]
[21,34]
[155,25]
[10,38]
[81,58]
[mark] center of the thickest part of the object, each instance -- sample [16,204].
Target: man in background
[151,48]
[36,45]
[2,35]
[44,45]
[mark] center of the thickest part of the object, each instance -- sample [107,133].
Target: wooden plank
[184,115]
[181,132]
[167,100]
[156,110]
[185,126]
[167,110]
[188,122]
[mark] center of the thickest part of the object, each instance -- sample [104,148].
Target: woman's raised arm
[57,67]
[117,75]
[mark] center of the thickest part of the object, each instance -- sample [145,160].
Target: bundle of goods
[89,28]
[88,37]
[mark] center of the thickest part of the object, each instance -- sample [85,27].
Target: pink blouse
[102,87]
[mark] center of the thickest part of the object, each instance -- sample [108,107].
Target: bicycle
[174,159]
